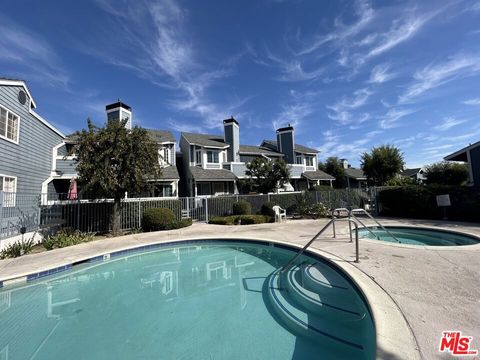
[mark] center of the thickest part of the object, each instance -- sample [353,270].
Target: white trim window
[8,184]
[9,125]
[164,156]
[213,157]
[198,157]
[298,160]
[309,160]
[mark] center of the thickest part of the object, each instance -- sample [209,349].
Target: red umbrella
[72,190]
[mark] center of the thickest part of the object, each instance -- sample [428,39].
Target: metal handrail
[332,221]
[357,219]
[375,220]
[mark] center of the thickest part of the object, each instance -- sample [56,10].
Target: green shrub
[181,224]
[267,209]
[17,249]
[241,220]
[420,202]
[66,237]
[157,219]
[242,208]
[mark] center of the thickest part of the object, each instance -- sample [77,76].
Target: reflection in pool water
[192,302]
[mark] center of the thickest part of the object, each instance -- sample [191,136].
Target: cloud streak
[435,75]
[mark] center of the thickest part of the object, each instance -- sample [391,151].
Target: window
[9,186]
[164,156]
[163,191]
[198,157]
[212,157]
[9,125]
[298,159]
[309,160]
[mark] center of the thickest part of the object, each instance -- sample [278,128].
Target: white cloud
[162,52]
[342,109]
[435,75]
[391,118]
[380,74]
[449,123]
[293,70]
[364,13]
[401,30]
[31,54]
[472,101]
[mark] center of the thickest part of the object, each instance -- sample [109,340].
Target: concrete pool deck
[436,289]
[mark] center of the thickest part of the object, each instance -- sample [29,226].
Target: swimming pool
[419,236]
[195,300]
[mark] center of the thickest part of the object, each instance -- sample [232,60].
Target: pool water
[187,301]
[419,236]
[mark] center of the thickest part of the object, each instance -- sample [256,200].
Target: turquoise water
[195,301]
[419,236]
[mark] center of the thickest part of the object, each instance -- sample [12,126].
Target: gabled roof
[356,174]
[258,150]
[207,140]
[161,136]
[169,173]
[272,144]
[317,175]
[17,82]
[461,155]
[200,174]
[410,172]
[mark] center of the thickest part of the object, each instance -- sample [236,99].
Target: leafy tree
[447,173]
[333,166]
[382,164]
[267,175]
[400,181]
[113,160]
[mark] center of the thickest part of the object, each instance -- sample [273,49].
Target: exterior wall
[232,137]
[475,165]
[286,146]
[66,166]
[187,160]
[30,161]
[296,171]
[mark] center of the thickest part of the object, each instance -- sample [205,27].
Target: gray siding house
[213,164]
[471,156]
[63,171]
[26,142]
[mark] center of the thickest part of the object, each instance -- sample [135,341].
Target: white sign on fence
[443,200]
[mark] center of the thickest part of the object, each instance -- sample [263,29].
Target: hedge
[241,220]
[420,202]
[242,208]
[162,219]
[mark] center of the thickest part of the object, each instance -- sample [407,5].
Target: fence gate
[194,208]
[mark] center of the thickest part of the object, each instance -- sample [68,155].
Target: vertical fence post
[78,213]
[316,197]
[206,210]
[268,197]
[139,214]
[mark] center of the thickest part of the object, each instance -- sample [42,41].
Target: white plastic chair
[279,213]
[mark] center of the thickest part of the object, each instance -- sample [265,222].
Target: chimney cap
[118,104]
[286,128]
[231,120]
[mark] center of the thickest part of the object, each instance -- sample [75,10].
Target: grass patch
[241,220]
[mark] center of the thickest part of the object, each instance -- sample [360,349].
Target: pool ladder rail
[351,219]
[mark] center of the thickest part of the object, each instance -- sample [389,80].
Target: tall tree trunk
[116,225]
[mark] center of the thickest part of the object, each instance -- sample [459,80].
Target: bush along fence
[35,211]
[420,202]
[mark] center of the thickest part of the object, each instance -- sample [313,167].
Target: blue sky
[348,75]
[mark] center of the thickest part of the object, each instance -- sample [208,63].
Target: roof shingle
[272,144]
[200,174]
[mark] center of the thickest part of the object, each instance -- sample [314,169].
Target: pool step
[332,326]
[341,304]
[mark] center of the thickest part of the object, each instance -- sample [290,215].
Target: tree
[447,173]
[400,181]
[333,166]
[113,160]
[267,175]
[382,164]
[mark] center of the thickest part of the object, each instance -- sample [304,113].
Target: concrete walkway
[436,289]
